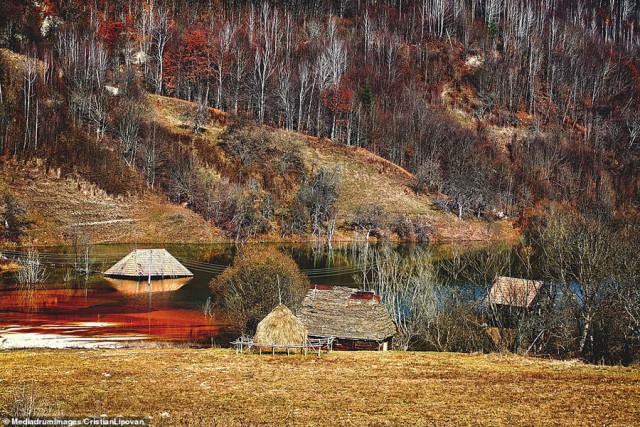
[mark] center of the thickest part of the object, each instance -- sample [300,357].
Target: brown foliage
[261,278]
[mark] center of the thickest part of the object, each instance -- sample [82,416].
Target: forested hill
[489,109]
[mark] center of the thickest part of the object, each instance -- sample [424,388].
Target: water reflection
[92,306]
[133,287]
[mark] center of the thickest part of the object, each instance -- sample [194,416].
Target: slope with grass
[194,387]
[63,206]
[366,178]
[74,201]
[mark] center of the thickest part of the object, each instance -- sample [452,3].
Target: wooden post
[150,265]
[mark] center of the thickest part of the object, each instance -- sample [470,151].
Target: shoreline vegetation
[306,241]
[181,386]
[53,206]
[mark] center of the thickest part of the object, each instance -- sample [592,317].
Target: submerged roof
[346,313]
[142,262]
[513,291]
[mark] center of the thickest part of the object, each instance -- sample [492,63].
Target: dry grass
[218,387]
[281,327]
[368,179]
[174,114]
[56,203]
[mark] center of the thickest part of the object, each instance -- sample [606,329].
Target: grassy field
[217,387]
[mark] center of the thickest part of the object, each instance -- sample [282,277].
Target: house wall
[357,345]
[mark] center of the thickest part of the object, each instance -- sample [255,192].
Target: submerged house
[510,296]
[357,319]
[148,269]
[514,292]
[148,263]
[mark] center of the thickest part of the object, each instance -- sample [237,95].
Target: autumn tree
[188,65]
[259,279]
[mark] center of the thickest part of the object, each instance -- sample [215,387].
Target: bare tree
[160,36]
[369,218]
[266,54]
[222,47]
[32,271]
[127,125]
[580,254]
[319,194]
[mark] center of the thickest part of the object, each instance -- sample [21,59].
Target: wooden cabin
[510,296]
[357,319]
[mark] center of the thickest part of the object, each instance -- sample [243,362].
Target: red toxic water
[112,309]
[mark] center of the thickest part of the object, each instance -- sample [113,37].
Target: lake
[94,311]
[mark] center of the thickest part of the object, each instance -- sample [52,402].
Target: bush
[13,218]
[273,158]
[411,230]
[260,278]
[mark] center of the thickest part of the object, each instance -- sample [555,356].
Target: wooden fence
[245,344]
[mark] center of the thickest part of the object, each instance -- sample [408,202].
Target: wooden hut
[509,297]
[281,328]
[356,319]
[514,292]
[149,264]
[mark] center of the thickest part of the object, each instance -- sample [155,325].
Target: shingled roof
[345,313]
[514,292]
[140,262]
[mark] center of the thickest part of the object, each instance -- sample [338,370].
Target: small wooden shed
[152,264]
[357,319]
[510,297]
[514,292]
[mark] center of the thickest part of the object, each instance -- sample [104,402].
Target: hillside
[488,112]
[61,206]
[366,179]
[71,198]
[217,387]
[371,179]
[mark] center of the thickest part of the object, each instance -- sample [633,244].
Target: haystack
[144,263]
[280,328]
